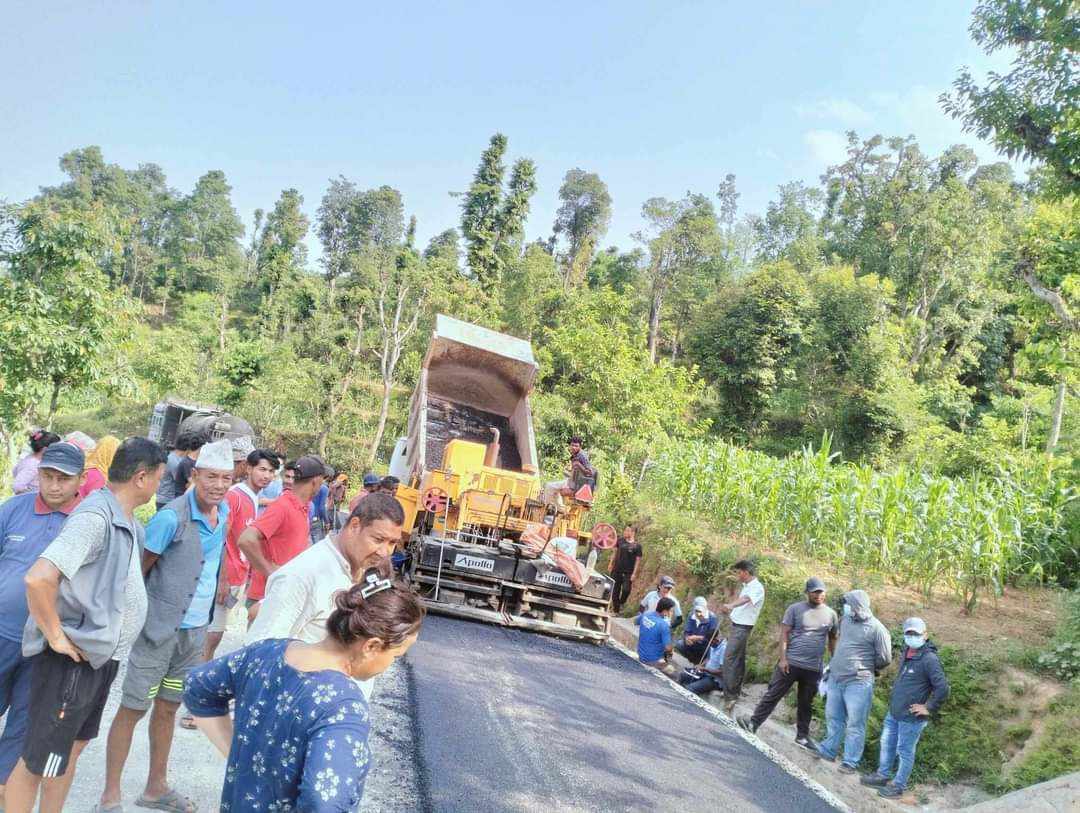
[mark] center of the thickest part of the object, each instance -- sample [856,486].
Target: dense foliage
[922,310]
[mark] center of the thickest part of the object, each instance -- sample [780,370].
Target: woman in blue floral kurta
[299,740]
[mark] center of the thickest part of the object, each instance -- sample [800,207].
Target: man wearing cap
[665,588]
[281,531]
[28,523]
[180,562]
[87,603]
[371,485]
[699,632]
[920,690]
[808,627]
[243,500]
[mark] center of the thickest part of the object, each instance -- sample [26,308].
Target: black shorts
[66,703]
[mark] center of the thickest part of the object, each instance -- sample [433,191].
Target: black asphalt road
[510,720]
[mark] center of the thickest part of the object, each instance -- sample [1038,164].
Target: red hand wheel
[603,536]
[435,500]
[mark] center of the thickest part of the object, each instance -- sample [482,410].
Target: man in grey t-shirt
[807,629]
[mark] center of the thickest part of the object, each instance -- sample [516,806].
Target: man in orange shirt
[281,531]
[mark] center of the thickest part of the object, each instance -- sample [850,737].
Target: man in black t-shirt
[624,566]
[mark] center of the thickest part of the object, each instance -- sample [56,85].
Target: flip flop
[99,808]
[172,801]
[187,721]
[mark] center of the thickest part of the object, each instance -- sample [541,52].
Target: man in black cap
[805,631]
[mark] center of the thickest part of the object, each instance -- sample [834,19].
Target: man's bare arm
[42,586]
[250,544]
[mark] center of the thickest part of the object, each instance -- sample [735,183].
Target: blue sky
[658,98]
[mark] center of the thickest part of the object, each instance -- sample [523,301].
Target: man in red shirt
[243,499]
[281,531]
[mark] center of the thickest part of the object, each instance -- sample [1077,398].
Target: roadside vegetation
[875,379]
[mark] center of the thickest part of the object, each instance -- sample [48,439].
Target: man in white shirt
[300,594]
[743,612]
[665,588]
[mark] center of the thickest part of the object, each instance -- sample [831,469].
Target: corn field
[967,535]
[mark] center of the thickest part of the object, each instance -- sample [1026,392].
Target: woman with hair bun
[299,740]
[25,474]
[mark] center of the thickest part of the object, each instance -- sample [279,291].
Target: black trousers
[621,593]
[779,685]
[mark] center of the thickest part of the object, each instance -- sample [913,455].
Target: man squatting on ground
[28,523]
[300,594]
[181,563]
[699,632]
[90,572]
[865,648]
[654,635]
[743,613]
[919,691]
[808,627]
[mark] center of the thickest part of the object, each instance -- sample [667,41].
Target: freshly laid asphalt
[508,720]
[482,718]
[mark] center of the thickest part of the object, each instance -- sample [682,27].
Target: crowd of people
[858,645]
[238,534]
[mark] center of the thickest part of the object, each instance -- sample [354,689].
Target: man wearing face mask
[920,690]
[865,649]
[300,594]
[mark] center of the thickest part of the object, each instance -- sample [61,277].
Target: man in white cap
[699,632]
[181,563]
[919,690]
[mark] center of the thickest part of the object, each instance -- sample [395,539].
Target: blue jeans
[14,702]
[898,739]
[846,709]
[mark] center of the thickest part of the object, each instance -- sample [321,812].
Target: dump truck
[483,543]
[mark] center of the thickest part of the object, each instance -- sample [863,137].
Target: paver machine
[485,542]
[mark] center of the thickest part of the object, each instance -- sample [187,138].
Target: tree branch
[1048,295]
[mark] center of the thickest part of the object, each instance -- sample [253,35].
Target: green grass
[1057,751]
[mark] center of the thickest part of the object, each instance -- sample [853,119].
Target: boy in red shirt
[281,531]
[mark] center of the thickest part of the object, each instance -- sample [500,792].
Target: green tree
[59,320]
[582,220]
[493,219]
[282,259]
[1031,111]
[532,282]
[747,340]
[684,244]
[789,230]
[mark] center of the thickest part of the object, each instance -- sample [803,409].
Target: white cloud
[767,153]
[828,147]
[842,111]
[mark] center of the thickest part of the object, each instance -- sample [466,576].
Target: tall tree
[582,220]
[789,230]
[59,320]
[1031,110]
[282,254]
[493,220]
[683,242]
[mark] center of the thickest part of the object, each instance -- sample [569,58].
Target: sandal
[171,801]
[188,722]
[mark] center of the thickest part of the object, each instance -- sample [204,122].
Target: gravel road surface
[514,721]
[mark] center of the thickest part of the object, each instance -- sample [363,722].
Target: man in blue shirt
[182,567]
[654,635]
[28,523]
